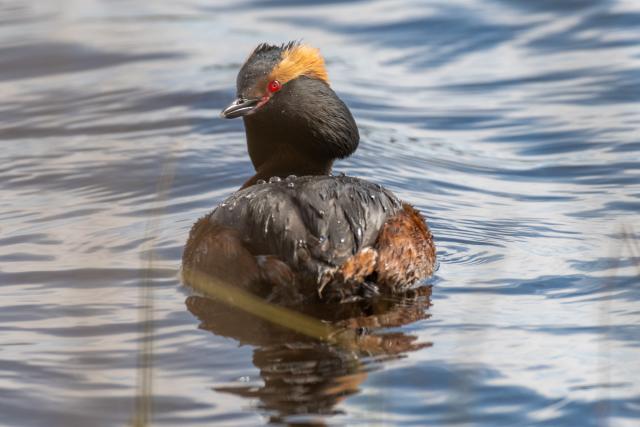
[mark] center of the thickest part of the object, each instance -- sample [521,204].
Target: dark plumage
[313,236]
[306,117]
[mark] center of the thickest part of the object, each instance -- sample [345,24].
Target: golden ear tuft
[300,60]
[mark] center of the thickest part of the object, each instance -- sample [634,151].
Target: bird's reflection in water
[304,376]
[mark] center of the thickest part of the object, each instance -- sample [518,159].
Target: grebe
[293,232]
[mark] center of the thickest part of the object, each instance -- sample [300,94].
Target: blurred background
[512,125]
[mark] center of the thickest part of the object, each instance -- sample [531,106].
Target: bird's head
[267,70]
[284,96]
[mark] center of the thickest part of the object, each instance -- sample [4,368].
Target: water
[512,125]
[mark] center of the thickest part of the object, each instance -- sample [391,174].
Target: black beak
[240,107]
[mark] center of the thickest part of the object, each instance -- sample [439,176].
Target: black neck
[284,162]
[301,131]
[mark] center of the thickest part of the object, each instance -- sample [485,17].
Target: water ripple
[511,124]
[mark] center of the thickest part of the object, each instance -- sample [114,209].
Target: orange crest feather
[300,60]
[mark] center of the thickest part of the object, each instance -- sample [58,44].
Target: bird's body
[314,235]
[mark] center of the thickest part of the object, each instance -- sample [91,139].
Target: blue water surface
[514,126]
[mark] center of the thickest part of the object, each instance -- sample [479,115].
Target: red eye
[274,86]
